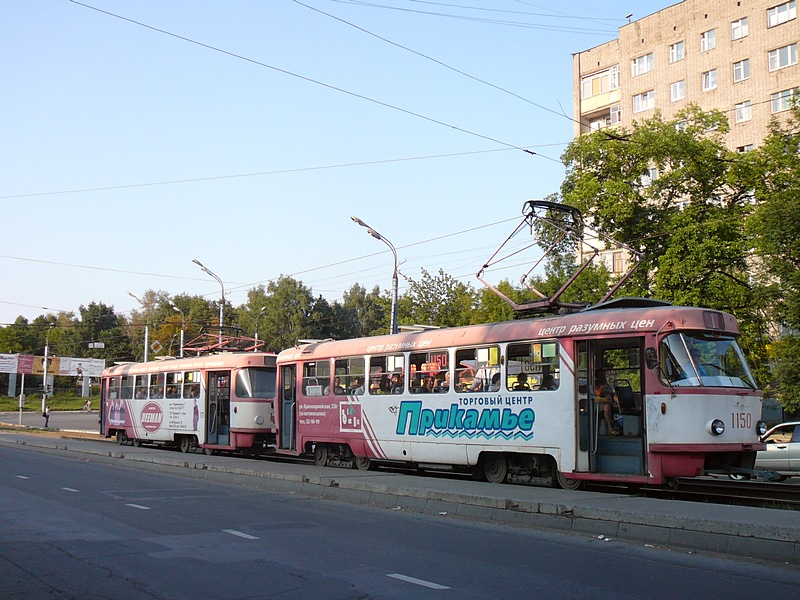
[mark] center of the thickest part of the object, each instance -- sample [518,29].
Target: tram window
[113,388]
[127,387]
[700,359]
[191,384]
[386,374]
[477,369]
[430,372]
[141,387]
[350,372]
[255,382]
[623,368]
[157,386]
[174,385]
[316,378]
[532,366]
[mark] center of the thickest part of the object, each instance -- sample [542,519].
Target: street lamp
[146,327]
[222,299]
[183,324]
[258,317]
[378,236]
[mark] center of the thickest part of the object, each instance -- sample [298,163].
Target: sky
[138,136]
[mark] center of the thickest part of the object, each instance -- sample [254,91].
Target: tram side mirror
[650,357]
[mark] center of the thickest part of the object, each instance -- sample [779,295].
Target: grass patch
[59,401]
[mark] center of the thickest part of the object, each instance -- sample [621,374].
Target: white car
[782,454]
[783,450]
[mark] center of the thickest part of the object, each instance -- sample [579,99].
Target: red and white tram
[514,400]
[221,401]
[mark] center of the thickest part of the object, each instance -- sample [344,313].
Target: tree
[439,300]
[286,317]
[368,312]
[775,230]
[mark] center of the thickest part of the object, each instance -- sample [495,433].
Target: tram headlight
[259,420]
[761,428]
[716,427]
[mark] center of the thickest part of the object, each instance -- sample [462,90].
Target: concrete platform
[765,534]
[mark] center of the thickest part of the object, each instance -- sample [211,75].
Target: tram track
[760,494]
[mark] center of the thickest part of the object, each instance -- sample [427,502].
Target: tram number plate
[741,420]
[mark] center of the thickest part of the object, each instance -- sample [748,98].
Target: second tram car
[520,400]
[215,402]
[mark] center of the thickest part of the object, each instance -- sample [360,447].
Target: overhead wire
[315,81]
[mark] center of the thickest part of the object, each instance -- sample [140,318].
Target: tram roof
[207,361]
[625,316]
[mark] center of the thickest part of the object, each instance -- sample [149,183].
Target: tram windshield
[255,383]
[698,359]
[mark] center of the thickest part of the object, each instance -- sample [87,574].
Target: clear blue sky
[127,152]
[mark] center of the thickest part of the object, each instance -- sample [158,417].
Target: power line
[440,63]
[274,172]
[315,81]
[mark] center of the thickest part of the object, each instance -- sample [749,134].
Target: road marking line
[22,477]
[240,534]
[139,506]
[69,489]
[422,582]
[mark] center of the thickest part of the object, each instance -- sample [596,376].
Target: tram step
[625,465]
[619,445]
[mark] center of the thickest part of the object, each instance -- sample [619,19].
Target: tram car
[215,402]
[634,391]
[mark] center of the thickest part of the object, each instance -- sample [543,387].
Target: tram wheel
[568,484]
[185,443]
[495,468]
[135,443]
[363,463]
[121,437]
[320,455]
[208,451]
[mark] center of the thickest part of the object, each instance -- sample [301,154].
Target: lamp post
[378,236]
[183,324]
[222,299]
[258,318]
[146,326]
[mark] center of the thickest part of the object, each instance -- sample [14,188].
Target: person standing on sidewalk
[46,415]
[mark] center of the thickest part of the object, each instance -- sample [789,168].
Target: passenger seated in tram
[548,383]
[397,383]
[521,383]
[605,398]
[384,385]
[443,385]
[495,385]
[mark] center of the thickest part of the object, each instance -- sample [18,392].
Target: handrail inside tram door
[594,430]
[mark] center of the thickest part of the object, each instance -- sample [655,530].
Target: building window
[780,101]
[617,262]
[741,70]
[710,80]
[615,115]
[643,64]
[783,57]
[745,148]
[677,90]
[600,83]
[739,29]
[644,101]
[648,178]
[681,125]
[676,52]
[743,111]
[781,13]
[708,40]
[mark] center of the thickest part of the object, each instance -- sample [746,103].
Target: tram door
[288,407]
[618,449]
[218,407]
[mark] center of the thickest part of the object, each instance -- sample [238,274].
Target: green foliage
[439,300]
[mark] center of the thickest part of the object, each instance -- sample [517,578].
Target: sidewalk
[765,534]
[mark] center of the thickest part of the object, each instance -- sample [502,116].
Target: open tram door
[288,408]
[621,449]
[218,407]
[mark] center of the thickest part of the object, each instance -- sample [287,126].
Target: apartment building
[739,56]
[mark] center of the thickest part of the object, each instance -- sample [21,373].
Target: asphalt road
[75,419]
[77,529]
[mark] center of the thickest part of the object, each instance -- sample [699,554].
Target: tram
[519,400]
[214,402]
